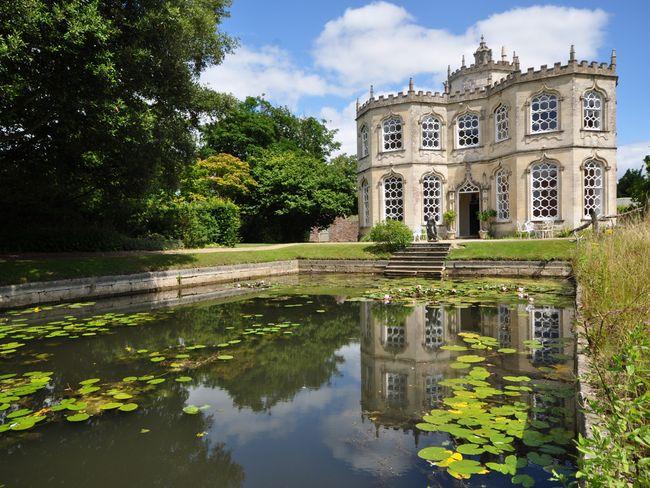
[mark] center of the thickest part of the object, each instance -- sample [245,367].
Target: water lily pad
[459,365]
[183,379]
[122,396]
[90,381]
[470,449]
[110,405]
[224,357]
[434,453]
[524,480]
[507,350]
[19,413]
[128,407]
[517,379]
[470,358]
[466,467]
[156,381]
[130,379]
[453,348]
[78,417]
[157,359]
[191,410]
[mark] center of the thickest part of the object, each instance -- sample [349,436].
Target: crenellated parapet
[513,77]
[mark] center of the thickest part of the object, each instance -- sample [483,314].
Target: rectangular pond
[319,381]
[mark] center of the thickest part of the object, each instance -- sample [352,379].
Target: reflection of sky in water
[328,420]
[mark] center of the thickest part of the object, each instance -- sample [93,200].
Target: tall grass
[613,271]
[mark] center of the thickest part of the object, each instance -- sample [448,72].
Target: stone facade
[534,145]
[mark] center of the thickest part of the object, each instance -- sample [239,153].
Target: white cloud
[344,121]
[270,71]
[631,156]
[381,43]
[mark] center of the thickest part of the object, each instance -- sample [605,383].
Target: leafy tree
[296,191]
[220,175]
[640,192]
[99,102]
[241,128]
[628,181]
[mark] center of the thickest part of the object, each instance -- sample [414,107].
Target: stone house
[534,145]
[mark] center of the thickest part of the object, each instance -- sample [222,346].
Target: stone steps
[423,259]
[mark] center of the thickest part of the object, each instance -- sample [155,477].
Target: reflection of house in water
[402,364]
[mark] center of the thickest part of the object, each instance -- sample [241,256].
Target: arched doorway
[469,204]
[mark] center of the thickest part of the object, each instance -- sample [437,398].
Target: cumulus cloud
[630,156]
[344,121]
[382,43]
[269,71]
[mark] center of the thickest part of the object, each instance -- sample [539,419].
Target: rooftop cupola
[483,54]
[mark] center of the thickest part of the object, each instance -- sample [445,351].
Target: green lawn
[524,250]
[14,271]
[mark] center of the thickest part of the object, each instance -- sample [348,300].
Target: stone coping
[22,295]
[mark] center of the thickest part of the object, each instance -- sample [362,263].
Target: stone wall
[343,229]
[551,269]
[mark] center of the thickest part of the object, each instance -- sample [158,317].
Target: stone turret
[483,72]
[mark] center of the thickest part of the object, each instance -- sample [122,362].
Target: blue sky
[317,57]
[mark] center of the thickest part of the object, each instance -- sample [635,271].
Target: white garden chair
[529,229]
[417,233]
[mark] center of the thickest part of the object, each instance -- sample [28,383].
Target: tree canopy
[100,98]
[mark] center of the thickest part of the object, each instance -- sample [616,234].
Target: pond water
[303,384]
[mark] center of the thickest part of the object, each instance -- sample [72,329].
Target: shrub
[391,235]
[449,217]
[196,222]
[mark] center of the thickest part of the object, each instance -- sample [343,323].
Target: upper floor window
[544,191]
[467,132]
[392,134]
[501,123]
[364,141]
[503,195]
[543,113]
[592,104]
[431,132]
[593,188]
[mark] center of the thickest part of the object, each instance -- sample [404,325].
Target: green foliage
[632,179]
[220,175]
[99,102]
[486,215]
[295,191]
[391,235]
[242,128]
[616,304]
[197,222]
[449,217]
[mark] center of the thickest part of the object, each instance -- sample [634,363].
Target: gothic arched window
[467,131]
[593,188]
[431,132]
[394,198]
[432,198]
[543,113]
[592,105]
[392,134]
[503,195]
[365,204]
[501,123]
[364,142]
[544,190]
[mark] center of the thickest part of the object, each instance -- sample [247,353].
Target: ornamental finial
[572,54]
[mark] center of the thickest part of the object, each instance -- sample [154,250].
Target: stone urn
[451,234]
[483,234]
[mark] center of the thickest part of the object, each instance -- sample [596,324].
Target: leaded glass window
[431,132]
[467,131]
[434,393]
[364,141]
[394,198]
[543,113]
[365,203]
[593,187]
[394,336]
[546,331]
[501,123]
[592,104]
[395,388]
[434,334]
[503,195]
[392,134]
[544,189]
[432,197]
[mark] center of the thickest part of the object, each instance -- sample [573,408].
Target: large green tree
[98,102]
[626,184]
[241,128]
[296,191]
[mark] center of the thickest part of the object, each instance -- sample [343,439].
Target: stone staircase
[422,259]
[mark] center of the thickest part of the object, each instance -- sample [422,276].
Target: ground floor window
[593,188]
[432,198]
[544,191]
[365,203]
[503,195]
[394,198]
